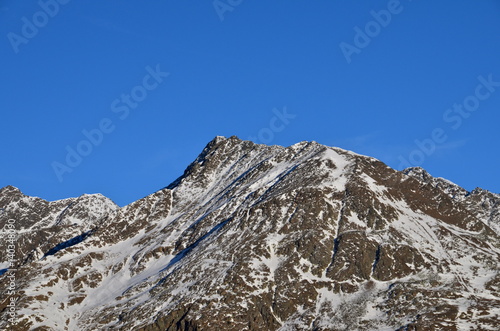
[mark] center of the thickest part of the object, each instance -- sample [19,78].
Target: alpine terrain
[256,237]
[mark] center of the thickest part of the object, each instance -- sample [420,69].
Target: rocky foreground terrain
[255,237]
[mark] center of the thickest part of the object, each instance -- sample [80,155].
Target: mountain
[255,237]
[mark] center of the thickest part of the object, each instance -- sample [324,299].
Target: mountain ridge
[263,237]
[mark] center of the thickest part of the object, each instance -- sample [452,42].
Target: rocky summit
[255,237]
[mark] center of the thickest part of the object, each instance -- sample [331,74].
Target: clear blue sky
[342,73]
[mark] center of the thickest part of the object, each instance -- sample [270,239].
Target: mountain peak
[10,189]
[417,172]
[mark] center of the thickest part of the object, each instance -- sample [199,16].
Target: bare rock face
[255,237]
[484,204]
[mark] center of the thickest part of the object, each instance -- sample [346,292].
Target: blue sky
[137,88]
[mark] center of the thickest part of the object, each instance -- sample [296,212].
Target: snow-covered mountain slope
[255,237]
[485,204]
[41,225]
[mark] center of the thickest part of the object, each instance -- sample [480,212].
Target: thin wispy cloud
[157,159]
[111,26]
[359,140]
[452,145]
